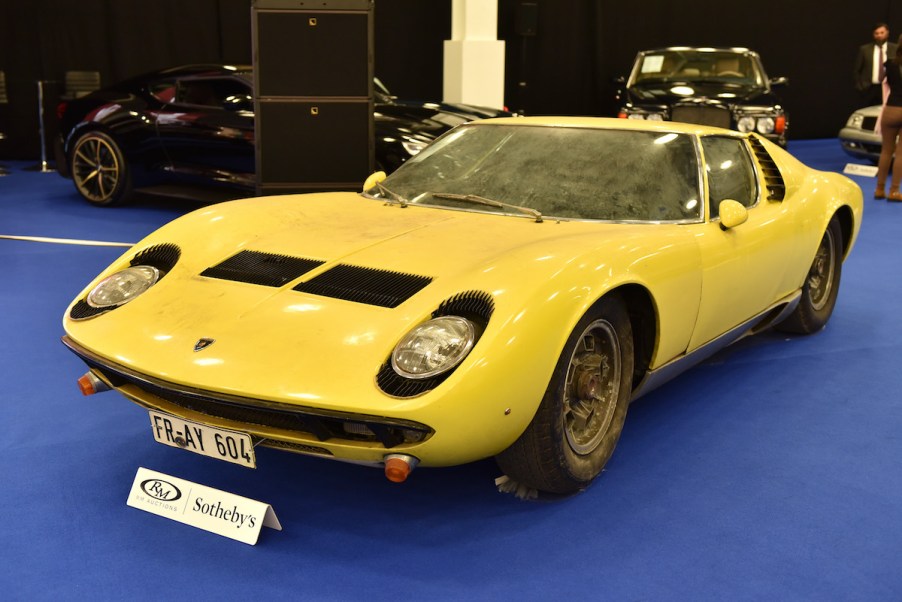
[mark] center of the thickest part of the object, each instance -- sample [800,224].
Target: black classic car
[723,87]
[190,131]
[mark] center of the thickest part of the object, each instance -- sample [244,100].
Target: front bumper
[357,438]
[861,144]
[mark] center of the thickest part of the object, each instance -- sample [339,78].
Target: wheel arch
[847,226]
[640,307]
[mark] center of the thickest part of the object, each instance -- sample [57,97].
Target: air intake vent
[773,179]
[365,285]
[265,269]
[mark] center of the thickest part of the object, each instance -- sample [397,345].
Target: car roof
[736,49]
[203,68]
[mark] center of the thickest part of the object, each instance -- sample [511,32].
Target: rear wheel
[580,418]
[821,285]
[99,169]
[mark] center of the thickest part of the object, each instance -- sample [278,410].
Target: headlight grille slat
[162,256]
[476,306]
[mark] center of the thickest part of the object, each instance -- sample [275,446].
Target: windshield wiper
[392,195]
[481,200]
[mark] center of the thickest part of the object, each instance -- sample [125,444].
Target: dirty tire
[821,285]
[579,420]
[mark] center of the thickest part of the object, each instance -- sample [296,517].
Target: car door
[743,268]
[207,129]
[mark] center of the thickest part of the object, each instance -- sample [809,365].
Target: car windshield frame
[697,65]
[561,173]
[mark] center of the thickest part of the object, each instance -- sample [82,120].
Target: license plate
[222,444]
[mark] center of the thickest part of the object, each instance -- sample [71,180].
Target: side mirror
[732,214]
[376,178]
[779,81]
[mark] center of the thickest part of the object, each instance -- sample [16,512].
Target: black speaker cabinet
[313,94]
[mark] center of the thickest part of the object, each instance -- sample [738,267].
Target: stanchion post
[44,167]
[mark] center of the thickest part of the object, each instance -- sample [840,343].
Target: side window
[731,174]
[211,92]
[164,91]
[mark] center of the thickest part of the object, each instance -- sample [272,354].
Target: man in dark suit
[869,70]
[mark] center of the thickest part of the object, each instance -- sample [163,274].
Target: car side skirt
[773,315]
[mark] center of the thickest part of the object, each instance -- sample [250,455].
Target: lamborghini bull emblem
[202,344]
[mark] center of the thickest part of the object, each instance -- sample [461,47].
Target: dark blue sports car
[190,131]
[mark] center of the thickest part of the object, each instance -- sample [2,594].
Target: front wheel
[581,415]
[99,170]
[821,285]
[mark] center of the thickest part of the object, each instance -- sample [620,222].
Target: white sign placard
[203,507]
[856,169]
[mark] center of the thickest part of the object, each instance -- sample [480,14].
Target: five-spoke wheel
[99,169]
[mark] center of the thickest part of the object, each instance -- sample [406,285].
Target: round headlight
[765,125]
[654,117]
[123,286]
[855,120]
[746,124]
[433,347]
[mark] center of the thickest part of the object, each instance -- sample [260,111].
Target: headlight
[765,125]
[648,116]
[855,120]
[123,286]
[746,124]
[413,146]
[433,347]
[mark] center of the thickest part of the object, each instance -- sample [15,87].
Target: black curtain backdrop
[42,39]
[580,46]
[567,67]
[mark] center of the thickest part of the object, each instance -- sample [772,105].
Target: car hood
[326,345]
[670,93]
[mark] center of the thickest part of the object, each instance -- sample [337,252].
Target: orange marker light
[86,384]
[89,384]
[398,467]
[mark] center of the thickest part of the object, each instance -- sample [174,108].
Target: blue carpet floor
[771,472]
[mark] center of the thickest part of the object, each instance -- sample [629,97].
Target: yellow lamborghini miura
[506,293]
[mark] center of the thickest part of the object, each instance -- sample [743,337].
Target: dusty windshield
[559,172]
[695,66]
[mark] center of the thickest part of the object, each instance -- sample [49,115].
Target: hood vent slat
[266,269]
[365,285]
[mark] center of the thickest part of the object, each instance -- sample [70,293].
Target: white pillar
[474,57]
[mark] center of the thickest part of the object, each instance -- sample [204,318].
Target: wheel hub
[592,387]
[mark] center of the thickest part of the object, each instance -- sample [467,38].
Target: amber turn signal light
[398,467]
[89,384]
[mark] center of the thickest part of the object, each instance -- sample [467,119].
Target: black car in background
[190,130]
[723,87]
